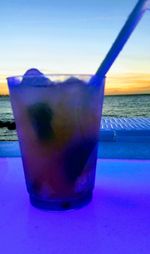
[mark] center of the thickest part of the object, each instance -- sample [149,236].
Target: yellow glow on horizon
[3,85]
[127,83]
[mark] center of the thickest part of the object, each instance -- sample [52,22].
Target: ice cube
[33,72]
[73,80]
[33,77]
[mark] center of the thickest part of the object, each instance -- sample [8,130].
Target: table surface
[116,221]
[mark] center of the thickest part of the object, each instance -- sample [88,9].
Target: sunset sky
[63,36]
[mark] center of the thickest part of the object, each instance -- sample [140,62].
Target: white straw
[123,36]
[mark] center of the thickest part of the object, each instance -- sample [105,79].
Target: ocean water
[127,106]
[114,106]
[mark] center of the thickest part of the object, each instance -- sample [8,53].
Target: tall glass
[58,120]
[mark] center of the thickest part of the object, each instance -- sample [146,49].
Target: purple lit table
[116,221]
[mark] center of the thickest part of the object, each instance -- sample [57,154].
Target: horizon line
[122,94]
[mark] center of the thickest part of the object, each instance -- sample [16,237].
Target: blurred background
[73,37]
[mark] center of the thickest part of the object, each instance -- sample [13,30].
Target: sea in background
[114,106]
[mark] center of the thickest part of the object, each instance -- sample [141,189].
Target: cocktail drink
[58,121]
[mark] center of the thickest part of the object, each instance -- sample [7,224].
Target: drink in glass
[57,120]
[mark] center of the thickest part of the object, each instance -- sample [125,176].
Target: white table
[116,221]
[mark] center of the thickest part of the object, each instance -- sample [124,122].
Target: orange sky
[129,83]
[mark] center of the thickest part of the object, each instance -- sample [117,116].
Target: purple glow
[116,221]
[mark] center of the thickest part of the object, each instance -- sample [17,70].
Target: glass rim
[54,75]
